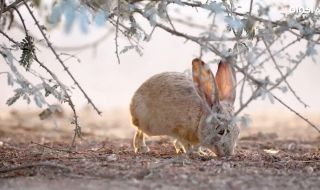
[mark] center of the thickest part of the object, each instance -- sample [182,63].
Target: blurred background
[111,85]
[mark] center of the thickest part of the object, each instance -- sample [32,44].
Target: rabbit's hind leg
[139,143]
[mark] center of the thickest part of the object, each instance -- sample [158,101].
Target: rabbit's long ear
[204,82]
[226,81]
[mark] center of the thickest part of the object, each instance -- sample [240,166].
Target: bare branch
[15,4]
[252,97]
[189,37]
[298,114]
[22,20]
[117,32]
[250,9]
[8,37]
[282,75]
[169,19]
[77,130]
[279,51]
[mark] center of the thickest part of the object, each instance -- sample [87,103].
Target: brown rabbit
[196,112]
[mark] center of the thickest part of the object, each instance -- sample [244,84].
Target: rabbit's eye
[221,132]
[228,131]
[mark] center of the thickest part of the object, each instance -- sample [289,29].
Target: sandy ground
[35,155]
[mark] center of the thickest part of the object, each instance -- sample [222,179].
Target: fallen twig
[35,165]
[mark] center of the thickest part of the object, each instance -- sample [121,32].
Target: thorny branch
[282,75]
[77,130]
[117,31]
[250,9]
[295,112]
[197,40]
[59,59]
[15,4]
[8,37]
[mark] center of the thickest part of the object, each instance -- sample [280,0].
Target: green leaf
[36,3]
[249,27]
[28,52]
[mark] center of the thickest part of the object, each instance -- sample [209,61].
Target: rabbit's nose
[225,152]
[229,152]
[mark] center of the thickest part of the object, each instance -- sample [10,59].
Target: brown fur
[167,103]
[191,111]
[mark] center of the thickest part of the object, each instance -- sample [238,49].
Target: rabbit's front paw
[197,152]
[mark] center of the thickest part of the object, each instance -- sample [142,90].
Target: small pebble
[112,157]
[226,166]
[291,146]
[309,169]
[183,176]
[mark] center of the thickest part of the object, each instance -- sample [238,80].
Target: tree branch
[15,4]
[282,75]
[8,37]
[117,32]
[298,114]
[59,59]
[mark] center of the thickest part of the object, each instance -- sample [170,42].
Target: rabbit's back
[167,104]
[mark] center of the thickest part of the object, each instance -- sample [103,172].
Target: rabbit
[196,112]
